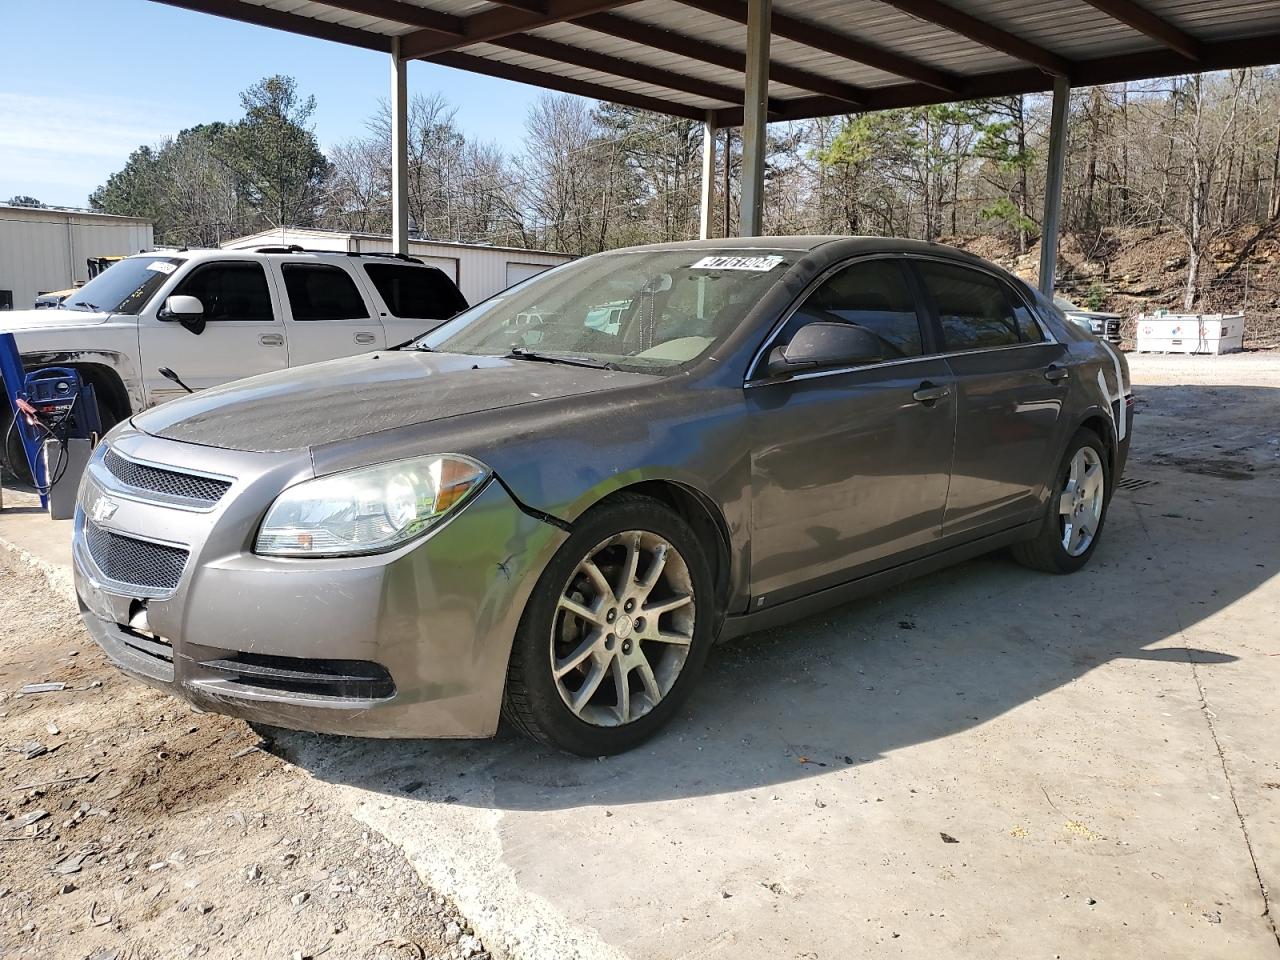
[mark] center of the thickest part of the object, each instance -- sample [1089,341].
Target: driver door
[850,465]
[243,333]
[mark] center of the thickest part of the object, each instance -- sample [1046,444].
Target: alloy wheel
[1081,500]
[623,628]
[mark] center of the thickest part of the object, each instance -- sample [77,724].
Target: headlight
[369,510]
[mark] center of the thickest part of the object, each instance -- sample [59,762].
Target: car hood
[342,399]
[21,321]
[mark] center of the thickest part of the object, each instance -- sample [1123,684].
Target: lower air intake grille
[350,679]
[138,563]
[170,482]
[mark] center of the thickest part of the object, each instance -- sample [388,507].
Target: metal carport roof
[688,57]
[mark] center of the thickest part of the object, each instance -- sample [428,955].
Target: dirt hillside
[1132,271]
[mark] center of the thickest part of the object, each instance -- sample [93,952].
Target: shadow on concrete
[923,661]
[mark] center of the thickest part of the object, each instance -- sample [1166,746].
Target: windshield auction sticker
[757,264]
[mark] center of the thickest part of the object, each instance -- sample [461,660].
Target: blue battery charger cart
[52,403]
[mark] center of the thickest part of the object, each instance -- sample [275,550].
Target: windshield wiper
[85,303]
[524,353]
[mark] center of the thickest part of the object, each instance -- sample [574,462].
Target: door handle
[272,339]
[931,392]
[363,337]
[1053,373]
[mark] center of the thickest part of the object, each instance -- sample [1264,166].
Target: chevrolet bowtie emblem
[104,508]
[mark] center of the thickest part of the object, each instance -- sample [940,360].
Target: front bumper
[413,643]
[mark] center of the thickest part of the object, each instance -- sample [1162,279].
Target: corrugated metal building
[43,249]
[479,270]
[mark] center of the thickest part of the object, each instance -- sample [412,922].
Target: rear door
[416,299]
[1011,382]
[849,466]
[326,313]
[243,333]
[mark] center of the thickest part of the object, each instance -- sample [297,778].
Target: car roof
[827,247]
[282,253]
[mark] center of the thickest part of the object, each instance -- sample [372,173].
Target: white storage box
[1190,333]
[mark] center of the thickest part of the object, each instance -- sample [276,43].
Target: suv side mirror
[188,311]
[823,344]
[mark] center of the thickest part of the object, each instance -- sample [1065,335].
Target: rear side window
[318,291]
[420,293]
[973,307]
[229,291]
[873,295]
[1028,330]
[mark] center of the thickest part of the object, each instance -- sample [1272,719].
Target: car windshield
[647,311]
[1065,305]
[123,287]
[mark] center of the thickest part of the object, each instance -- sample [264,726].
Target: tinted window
[318,291]
[1028,330]
[228,291]
[873,295]
[973,307]
[423,293]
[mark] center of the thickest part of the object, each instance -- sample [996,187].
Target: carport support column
[399,150]
[1050,225]
[755,103]
[708,174]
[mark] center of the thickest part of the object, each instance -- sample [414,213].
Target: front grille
[169,482]
[138,563]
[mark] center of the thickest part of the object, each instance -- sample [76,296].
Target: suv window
[974,309]
[235,290]
[872,294]
[319,291]
[420,293]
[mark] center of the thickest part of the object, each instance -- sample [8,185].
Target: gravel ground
[133,827]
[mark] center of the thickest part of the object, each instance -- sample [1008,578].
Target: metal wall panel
[43,250]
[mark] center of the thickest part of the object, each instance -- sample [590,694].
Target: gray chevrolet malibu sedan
[550,507]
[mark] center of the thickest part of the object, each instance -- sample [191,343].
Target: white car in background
[212,316]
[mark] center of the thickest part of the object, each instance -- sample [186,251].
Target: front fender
[121,364]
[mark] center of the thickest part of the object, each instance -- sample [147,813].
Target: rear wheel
[615,633]
[1076,512]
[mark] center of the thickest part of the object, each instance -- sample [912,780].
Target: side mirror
[188,311]
[823,344]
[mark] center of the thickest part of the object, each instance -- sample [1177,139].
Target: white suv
[212,316]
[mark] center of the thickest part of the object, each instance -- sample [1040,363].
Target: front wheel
[615,633]
[1076,511]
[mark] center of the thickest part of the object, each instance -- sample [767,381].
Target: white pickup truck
[211,316]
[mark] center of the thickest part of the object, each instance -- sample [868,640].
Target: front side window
[319,291]
[873,295]
[647,311]
[973,307]
[229,291]
[417,293]
[124,287]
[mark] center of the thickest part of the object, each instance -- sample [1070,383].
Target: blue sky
[84,83]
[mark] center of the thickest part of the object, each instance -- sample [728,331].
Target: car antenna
[168,374]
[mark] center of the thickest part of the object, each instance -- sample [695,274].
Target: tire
[1086,510]
[571,659]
